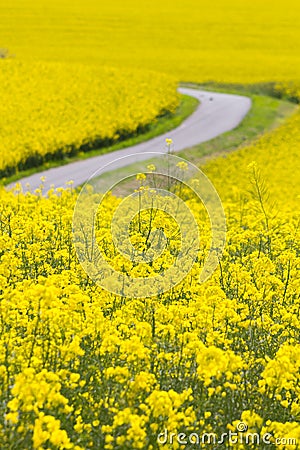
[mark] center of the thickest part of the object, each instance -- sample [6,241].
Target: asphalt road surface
[216,114]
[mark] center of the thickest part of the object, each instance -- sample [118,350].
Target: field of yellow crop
[52,110]
[82,368]
[195,40]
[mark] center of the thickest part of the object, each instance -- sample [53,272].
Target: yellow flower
[182,165]
[141,176]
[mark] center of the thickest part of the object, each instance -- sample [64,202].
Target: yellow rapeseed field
[51,110]
[81,368]
[195,40]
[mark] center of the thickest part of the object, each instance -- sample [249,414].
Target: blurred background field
[236,41]
[79,76]
[55,110]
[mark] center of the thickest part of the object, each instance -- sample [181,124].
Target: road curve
[216,114]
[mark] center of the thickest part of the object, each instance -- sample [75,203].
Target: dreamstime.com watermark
[165,178]
[240,436]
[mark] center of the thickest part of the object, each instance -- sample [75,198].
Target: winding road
[216,114]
